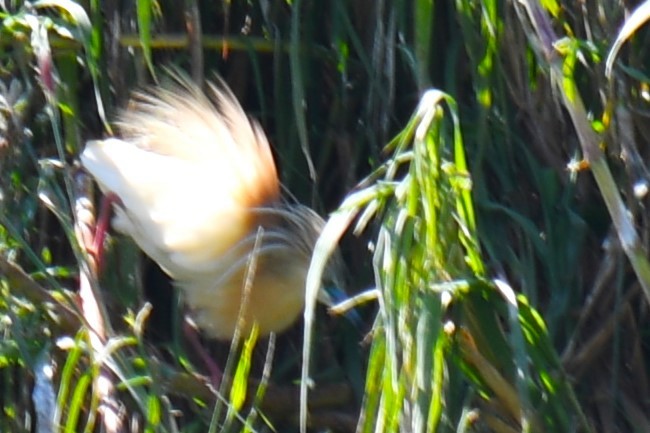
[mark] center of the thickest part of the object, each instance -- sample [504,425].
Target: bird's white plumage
[184,168]
[164,204]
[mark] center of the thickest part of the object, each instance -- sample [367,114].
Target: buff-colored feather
[198,187]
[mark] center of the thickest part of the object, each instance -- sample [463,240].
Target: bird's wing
[183,122]
[189,171]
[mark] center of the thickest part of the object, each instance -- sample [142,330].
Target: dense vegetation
[483,163]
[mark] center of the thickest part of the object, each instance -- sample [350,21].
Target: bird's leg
[216,374]
[101,227]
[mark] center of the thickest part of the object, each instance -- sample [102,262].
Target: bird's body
[199,193]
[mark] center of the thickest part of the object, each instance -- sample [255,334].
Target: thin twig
[194,35]
[92,310]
